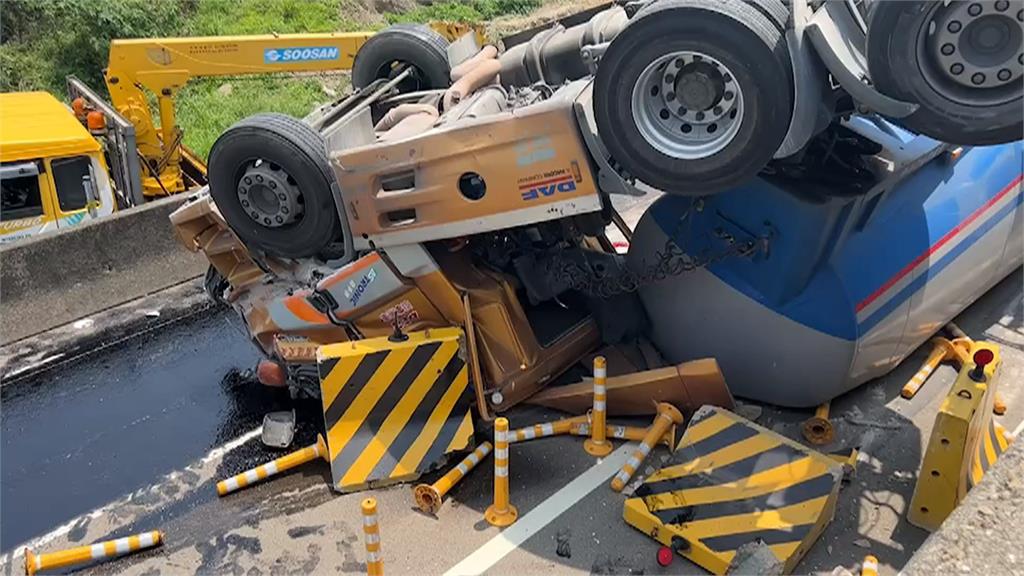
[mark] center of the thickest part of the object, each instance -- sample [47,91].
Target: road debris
[429,496]
[101,551]
[278,429]
[755,559]
[562,548]
[287,462]
[668,415]
[626,433]
[688,386]
[818,429]
[546,429]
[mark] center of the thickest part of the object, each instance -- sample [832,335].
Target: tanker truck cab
[52,171]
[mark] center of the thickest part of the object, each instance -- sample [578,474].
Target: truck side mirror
[92,194]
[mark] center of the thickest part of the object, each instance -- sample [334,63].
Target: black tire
[414,44]
[299,151]
[903,65]
[740,36]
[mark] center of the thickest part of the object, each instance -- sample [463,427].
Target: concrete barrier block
[60,277]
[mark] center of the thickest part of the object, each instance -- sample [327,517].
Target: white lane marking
[1017,431]
[223,449]
[498,547]
[63,529]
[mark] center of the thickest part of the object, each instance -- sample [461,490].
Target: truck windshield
[67,176]
[19,197]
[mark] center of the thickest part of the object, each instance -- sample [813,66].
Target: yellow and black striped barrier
[429,496]
[965,440]
[313,452]
[394,407]
[92,553]
[731,482]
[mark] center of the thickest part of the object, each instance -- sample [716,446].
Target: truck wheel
[414,44]
[270,179]
[963,63]
[695,96]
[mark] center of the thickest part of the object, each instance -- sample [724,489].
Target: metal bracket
[609,180]
[592,55]
[837,36]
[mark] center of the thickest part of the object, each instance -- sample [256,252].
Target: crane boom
[164,65]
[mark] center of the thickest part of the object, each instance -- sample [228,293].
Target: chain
[671,261]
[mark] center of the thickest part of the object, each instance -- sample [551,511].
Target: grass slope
[32,57]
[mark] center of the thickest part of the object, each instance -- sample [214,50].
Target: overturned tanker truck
[823,163]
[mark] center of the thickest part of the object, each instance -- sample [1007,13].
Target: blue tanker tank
[843,281]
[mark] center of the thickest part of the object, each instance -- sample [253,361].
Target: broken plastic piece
[278,429]
[687,386]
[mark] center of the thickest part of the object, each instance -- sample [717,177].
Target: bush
[46,40]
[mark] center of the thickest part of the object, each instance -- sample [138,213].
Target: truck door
[82,189]
[23,200]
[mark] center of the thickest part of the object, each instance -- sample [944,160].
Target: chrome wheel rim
[687,105]
[973,52]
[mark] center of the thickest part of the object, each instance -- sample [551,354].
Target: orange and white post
[93,553]
[371,531]
[625,433]
[869,567]
[429,496]
[668,415]
[501,513]
[545,429]
[598,444]
[286,462]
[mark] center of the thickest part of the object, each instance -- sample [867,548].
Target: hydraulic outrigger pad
[732,482]
[394,409]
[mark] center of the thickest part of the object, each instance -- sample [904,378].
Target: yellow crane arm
[164,65]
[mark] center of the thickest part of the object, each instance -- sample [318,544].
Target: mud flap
[731,482]
[965,442]
[394,410]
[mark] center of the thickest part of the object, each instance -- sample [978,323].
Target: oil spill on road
[82,435]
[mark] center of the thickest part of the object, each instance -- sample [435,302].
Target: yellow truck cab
[52,171]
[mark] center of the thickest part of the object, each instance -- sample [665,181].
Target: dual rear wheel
[696,96]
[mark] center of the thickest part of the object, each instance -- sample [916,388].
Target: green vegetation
[43,41]
[465,11]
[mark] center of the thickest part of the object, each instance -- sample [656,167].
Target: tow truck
[835,193]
